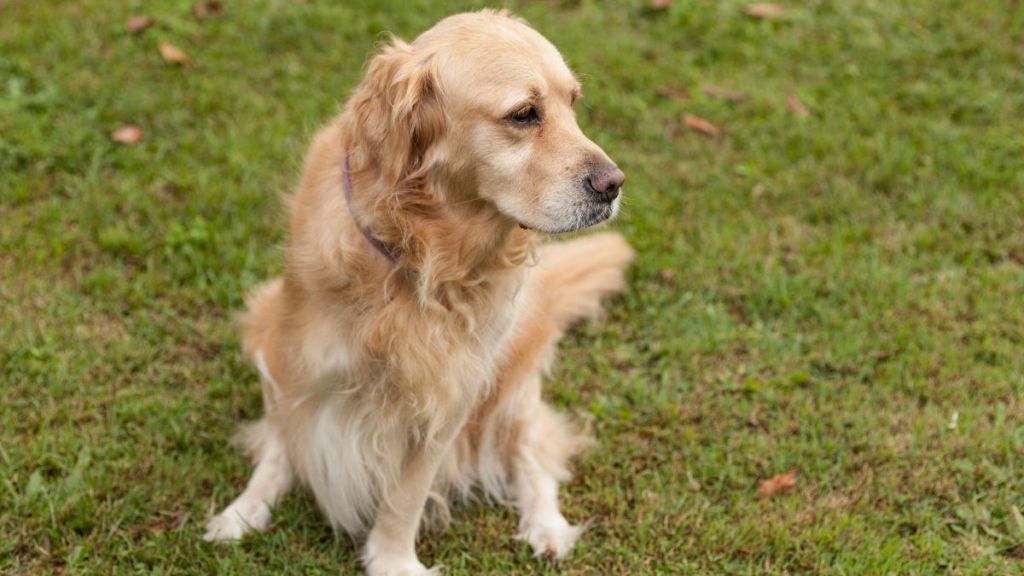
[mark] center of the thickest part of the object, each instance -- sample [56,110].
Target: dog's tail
[575,275]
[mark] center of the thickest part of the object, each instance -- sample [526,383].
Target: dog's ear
[398,113]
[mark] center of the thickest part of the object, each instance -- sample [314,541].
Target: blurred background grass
[832,285]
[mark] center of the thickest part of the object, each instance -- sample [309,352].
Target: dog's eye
[525,116]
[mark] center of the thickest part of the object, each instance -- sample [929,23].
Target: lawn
[832,285]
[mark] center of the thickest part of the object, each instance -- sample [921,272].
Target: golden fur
[385,383]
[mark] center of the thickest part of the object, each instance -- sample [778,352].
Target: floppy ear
[398,113]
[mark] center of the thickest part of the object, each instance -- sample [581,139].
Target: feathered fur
[385,382]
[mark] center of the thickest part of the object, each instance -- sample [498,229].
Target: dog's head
[484,103]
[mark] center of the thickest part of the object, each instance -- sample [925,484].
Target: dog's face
[509,101]
[491,108]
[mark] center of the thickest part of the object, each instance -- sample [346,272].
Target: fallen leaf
[207,8]
[1018,520]
[169,191]
[138,24]
[692,482]
[701,125]
[660,4]
[673,93]
[797,106]
[128,134]
[173,54]
[778,484]
[723,93]
[764,11]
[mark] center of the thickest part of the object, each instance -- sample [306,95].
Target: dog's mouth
[594,214]
[582,216]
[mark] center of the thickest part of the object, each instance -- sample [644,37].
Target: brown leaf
[660,4]
[701,125]
[778,484]
[138,24]
[797,106]
[764,11]
[673,93]
[207,8]
[173,54]
[129,134]
[723,93]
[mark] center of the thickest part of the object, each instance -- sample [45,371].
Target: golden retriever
[401,352]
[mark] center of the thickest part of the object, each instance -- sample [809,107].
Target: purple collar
[392,253]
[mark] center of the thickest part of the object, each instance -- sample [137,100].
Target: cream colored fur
[385,384]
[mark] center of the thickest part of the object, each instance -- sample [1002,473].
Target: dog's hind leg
[538,468]
[272,478]
[571,280]
[532,442]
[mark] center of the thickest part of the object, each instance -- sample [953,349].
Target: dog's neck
[392,252]
[449,240]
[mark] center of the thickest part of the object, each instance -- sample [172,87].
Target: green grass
[820,294]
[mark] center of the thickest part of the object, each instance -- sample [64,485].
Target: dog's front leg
[391,545]
[270,481]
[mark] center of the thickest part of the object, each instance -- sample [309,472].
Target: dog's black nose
[605,181]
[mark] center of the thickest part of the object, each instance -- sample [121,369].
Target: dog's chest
[469,354]
[424,351]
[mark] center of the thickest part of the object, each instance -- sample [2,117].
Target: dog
[402,350]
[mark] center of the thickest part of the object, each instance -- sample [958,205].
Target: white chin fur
[578,217]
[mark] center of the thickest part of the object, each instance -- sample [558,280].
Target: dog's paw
[236,521]
[552,539]
[400,568]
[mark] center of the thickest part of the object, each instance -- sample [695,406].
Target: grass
[826,294]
